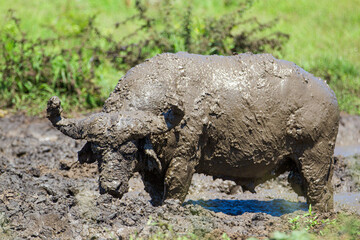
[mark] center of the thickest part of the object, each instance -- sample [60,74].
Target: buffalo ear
[86,155]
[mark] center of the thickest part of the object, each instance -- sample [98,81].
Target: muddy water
[46,194]
[285,202]
[276,207]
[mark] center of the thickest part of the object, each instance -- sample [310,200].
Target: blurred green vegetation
[340,226]
[309,226]
[79,49]
[324,40]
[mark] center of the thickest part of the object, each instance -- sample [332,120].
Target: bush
[70,63]
[31,70]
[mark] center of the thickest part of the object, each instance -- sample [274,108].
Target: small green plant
[309,221]
[294,222]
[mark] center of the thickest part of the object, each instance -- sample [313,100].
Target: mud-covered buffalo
[245,118]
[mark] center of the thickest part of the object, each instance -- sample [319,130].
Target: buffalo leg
[317,171]
[180,171]
[178,179]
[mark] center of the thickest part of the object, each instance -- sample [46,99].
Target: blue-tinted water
[276,207]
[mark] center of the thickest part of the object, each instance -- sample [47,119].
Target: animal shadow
[276,207]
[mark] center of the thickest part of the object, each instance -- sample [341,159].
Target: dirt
[46,194]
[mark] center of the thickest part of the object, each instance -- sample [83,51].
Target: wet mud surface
[46,194]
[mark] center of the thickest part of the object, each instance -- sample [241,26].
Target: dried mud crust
[46,194]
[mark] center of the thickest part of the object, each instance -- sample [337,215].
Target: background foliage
[79,49]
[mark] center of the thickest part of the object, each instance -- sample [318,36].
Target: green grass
[324,34]
[318,29]
[324,40]
[73,53]
[309,226]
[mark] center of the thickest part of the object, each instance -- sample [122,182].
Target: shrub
[70,62]
[31,70]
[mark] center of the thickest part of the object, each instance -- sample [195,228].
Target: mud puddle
[276,207]
[46,194]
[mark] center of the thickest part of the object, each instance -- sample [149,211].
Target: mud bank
[46,194]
